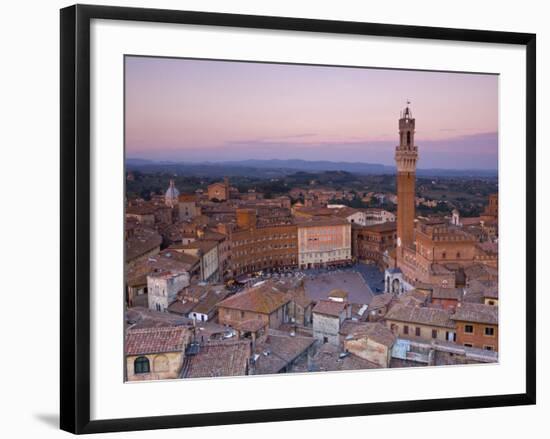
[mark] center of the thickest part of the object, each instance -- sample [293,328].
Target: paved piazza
[320,286]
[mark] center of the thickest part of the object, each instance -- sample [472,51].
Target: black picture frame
[75,217]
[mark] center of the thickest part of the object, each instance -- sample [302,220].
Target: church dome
[172,193]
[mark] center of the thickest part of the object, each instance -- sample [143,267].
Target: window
[417,331]
[405,329]
[467,345]
[488,348]
[141,365]
[468,329]
[490,332]
[325,339]
[450,336]
[434,333]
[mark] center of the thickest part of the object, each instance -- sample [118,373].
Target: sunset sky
[194,110]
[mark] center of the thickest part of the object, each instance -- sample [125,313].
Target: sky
[203,110]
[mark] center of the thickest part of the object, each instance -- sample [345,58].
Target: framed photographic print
[273,218]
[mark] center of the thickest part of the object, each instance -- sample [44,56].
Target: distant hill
[276,167]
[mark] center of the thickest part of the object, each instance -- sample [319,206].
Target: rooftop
[476,313]
[329,308]
[420,315]
[166,261]
[321,222]
[329,358]
[155,340]
[263,299]
[381,300]
[276,351]
[447,293]
[143,241]
[373,331]
[388,226]
[222,358]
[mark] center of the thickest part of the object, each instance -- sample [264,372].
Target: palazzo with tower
[433,251]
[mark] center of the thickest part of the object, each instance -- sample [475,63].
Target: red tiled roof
[224,358]
[420,315]
[330,308]
[476,313]
[263,299]
[155,340]
[143,241]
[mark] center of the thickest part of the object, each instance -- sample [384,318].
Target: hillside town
[225,283]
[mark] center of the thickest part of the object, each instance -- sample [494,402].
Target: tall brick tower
[406,155]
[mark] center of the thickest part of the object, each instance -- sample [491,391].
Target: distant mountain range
[275,167]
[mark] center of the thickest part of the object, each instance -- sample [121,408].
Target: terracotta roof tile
[420,315]
[223,358]
[155,340]
[263,299]
[477,313]
[330,308]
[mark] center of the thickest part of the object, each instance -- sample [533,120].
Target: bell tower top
[406,153]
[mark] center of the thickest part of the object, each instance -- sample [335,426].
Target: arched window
[408,138]
[141,365]
[458,255]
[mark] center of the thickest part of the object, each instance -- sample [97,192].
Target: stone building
[324,242]
[263,302]
[255,248]
[166,260]
[163,288]
[372,342]
[219,191]
[438,244]
[155,353]
[477,325]
[207,252]
[371,242]
[328,316]
[188,207]
[408,321]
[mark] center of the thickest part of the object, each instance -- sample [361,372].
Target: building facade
[370,242]
[328,316]
[163,288]
[477,326]
[262,248]
[324,242]
[155,353]
[219,191]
